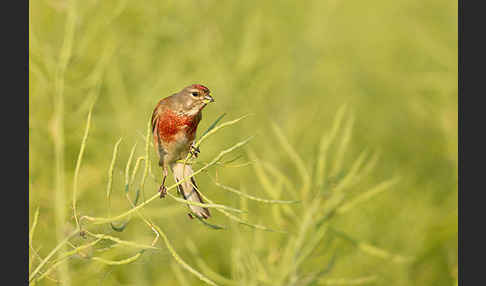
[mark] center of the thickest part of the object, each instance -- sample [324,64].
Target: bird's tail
[188,189]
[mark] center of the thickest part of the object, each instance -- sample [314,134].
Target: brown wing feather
[155,118]
[155,125]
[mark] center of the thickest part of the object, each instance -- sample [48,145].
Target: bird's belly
[179,146]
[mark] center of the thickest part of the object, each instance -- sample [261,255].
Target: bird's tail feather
[188,189]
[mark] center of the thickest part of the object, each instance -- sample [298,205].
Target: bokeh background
[290,63]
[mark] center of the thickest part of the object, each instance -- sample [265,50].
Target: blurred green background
[292,63]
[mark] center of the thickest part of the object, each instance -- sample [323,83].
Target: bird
[174,125]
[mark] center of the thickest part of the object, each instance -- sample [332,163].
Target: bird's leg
[163,188]
[194,150]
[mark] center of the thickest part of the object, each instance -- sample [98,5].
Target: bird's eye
[195,94]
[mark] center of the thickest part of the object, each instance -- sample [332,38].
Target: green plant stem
[78,165]
[59,83]
[179,259]
[100,220]
[56,249]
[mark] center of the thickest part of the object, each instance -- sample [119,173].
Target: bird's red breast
[170,123]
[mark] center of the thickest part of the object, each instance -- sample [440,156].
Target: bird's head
[194,98]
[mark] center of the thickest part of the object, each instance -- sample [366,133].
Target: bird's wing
[155,118]
[163,104]
[159,109]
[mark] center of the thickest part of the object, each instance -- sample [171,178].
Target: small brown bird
[174,124]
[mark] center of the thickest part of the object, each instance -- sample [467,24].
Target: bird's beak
[208,98]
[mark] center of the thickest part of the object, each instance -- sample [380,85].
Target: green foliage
[350,176]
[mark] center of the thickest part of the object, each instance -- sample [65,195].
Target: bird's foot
[162,191]
[194,150]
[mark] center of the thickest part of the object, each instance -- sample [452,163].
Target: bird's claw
[194,151]
[162,191]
